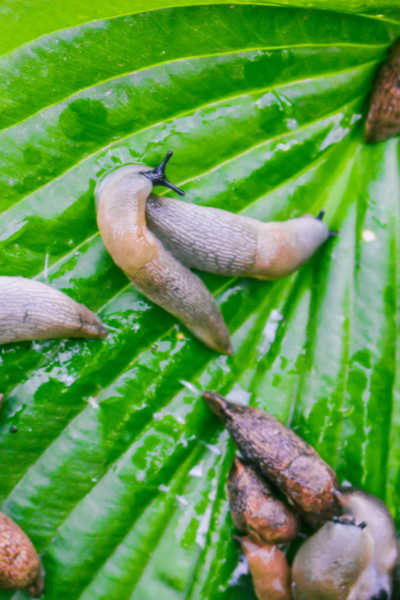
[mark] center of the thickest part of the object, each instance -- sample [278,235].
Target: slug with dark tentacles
[30,310]
[282,457]
[330,563]
[155,240]
[255,510]
[20,567]
[121,202]
[351,558]
[221,242]
[269,570]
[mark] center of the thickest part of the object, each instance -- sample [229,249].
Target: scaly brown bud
[383,119]
[20,567]
[254,509]
[281,456]
[269,569]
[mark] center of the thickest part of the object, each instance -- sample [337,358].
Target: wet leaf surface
[118,469]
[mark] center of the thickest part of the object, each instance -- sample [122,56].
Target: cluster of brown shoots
[352,555]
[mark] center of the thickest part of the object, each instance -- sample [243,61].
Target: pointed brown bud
[383,119]
[282,457]
[20,567]
[254,509]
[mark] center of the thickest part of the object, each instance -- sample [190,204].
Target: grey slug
[269,570]
[20,567]
[282,457]
[221,242]
[30,310]
[121,202]
[255,511]
[350,558]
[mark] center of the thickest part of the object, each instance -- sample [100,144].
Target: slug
[330,563]
[20,567]
[282,457]
[345,561]
[269,569]
[221,242]
[383,120]
[396,574]
[362,506]
[30,310]
[121,201]
[254,509]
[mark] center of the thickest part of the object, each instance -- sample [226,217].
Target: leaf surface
[118,469]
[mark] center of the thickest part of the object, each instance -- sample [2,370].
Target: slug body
[330,563]
[396,575]
[269,569]
[221,242]
[282,457]
[30,310]
[383,119]
[376,581]
[254,509]
[352,558]
[121,200]
[20,567]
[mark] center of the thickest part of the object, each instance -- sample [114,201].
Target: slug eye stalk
[157,175]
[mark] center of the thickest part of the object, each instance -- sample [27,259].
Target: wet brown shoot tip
[216,402]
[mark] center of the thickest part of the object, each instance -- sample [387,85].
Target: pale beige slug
[221,242]
[30,310]
[350,558]
[121,201]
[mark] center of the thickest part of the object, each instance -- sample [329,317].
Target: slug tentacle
[121,200]
[221,242]
[157,175]
[30,310]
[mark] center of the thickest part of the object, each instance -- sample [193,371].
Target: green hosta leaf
[118,469]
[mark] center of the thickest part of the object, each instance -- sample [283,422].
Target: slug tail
[175,288]
[91,326]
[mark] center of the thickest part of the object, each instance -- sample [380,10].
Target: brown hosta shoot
[254,509]
[269,569]
[20,567]
[282,457]
[383,119]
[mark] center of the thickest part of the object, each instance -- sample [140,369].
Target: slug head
[331,563]
[157,175]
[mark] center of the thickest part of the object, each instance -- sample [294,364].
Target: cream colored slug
[30,310]
[351,558]
[221,242]
[121,201]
